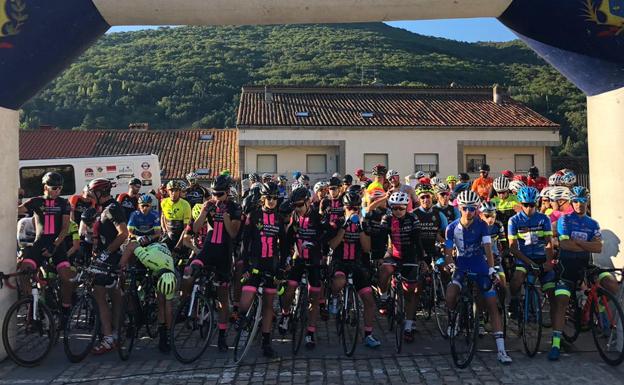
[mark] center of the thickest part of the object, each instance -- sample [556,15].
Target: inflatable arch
[583,39]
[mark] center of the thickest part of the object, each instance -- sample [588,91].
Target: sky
[470,30]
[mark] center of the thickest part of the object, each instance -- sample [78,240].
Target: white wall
[290,158]
[401,145]
[503,158]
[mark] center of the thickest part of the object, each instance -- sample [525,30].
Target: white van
[77,172]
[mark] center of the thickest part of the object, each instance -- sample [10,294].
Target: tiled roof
[390,107]
[179,151]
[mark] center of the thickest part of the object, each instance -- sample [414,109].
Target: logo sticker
[111,168]
[145,165]
[146,175]
[88,173]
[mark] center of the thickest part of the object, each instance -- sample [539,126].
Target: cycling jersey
[128,203]
[431,224]
[217,235]
[48,215]
[144,224]
[198,236]
[497,233]
[482,186]
[156,257]
[307,234]
[450,212]
[469,241]
[105,229]
[556,214]
[539,183]
[350,249]
[195,194]
[531,233]
[264,239]
[576,227]
[79,205]
[282,194]
[404,236]
[333,210]
[505,207]
[25,232]
[374,228]
[177,215]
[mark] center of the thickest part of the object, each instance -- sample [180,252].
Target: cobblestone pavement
[426,361]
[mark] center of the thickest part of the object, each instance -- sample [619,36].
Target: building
[322,130]
[205,151]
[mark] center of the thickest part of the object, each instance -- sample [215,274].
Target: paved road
[426,361]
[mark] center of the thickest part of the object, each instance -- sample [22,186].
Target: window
[30,179]
[266,163]
[316,163]
[523,162]
[474,162]
[426,162]
[370,160]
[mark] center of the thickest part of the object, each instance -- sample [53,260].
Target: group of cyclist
[363,228]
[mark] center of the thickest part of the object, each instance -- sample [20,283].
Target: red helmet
[508,174]
[359,172]
[522,178]
[100,184]
[424,180]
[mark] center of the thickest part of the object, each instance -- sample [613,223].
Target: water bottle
[355,219]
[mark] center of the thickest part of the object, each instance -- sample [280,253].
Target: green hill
[192,76]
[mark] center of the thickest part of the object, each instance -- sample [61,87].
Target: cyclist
[282,189]
[506,203]
[405,247]
[347,181]
[266,248]
[331,207]
[306,232]
[175,215]
[52,218]
[483,184]
[451,181]
[432,223]
[112,233]
[86,231]
[79,203]
[130,200]
[224,218]
[144,223]
[579,237]
[361,176]
[351,246]
[560,202]
[496,229]
[530,242]
[156,258]
[443,194]
[470,237]
[395,185]
[535,180]
[195,193]
[321,190]
[545,206]
[377,209]
[515,186]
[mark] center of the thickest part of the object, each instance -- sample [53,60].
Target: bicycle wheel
[28,340]
[150,316]
[399,318]
[248,330]
[81,328]
[439,305]
[531,320]
[127,326]
[299,318]
[465,326]
[426,298]
[390,308]
[572,325]
[349,321]
[546,321]
[192,328]
[606,322]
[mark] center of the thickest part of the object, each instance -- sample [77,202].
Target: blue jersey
[141,224]
[576,227]
[532,233]
[469,244]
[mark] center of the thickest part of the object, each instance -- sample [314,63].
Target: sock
[500,341]
[408,325]
[266,338]
[556,339]
[368,330]
[221,333]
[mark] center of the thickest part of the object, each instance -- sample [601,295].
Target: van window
[30,179]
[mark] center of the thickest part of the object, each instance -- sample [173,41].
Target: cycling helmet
[376,193]
[183,185]
[233,193]
[253,177]
[269,189]
[516,185]
[380,170]
[462,187]
[533,172]
[282,178]
[196,211]
[166,284]
[559,193]
[435,180]
[359,172]
[501,184]
[528,194]
[468,198]
[145,199]
[569,179]
[424,180]
[355,188]
[88,216]
[299,194]
[174,185]
[226,172]
[508,174]
[334,182]
[304,178]
[579,194]
[484,167]
[100,185]
[420,174]
[221,183]
[53,179]
[487,207]
[391,173]
[545,193]
[192,176]
[318,186]
[423,189]
[266,177]
[398,198]
[441,188]
[521,178]
[451,178]
[555,180]
[352,198]
[347,179]
[463,176]
[134,182]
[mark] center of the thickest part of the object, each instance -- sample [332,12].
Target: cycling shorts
[219,257]
[361,274]
[571,271]
[313,272]
[547,279]
[33,255]
[411,274]
[482,281]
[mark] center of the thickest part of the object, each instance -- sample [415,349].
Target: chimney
[138,126]
[268,95]
[497,94]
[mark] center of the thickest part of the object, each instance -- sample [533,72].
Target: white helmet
[420,174]
[501,184]
[391,173]
[441,188]
[516,185]
[192,176]
[569,179]
[398,198]
[555,180]
[468,198]
[320,185]
[435,180]
[559,193]
[545,193]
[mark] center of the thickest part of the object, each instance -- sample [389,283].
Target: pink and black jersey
[308,235]
[48,215]
[404,234]
[264,236]
[218,235]
[333,210]
[350,249]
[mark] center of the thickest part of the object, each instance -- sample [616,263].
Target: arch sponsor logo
[13,16]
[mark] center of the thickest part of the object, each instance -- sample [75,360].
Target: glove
[307,245]
[144,240]
[346,223]
[493,275]
[450,266]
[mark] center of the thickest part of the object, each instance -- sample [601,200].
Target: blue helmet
[528,194]
[145,199]
[579,194]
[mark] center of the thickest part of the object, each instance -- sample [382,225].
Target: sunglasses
[579,201]
[528,205]
[423,197]
[444,194]
[333,188]
[270,197]
[353,208]
[145,205]
[54,188]
[299,204]
[172,190]
[218,193]
[468,209]
[489,215]
[399,208]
